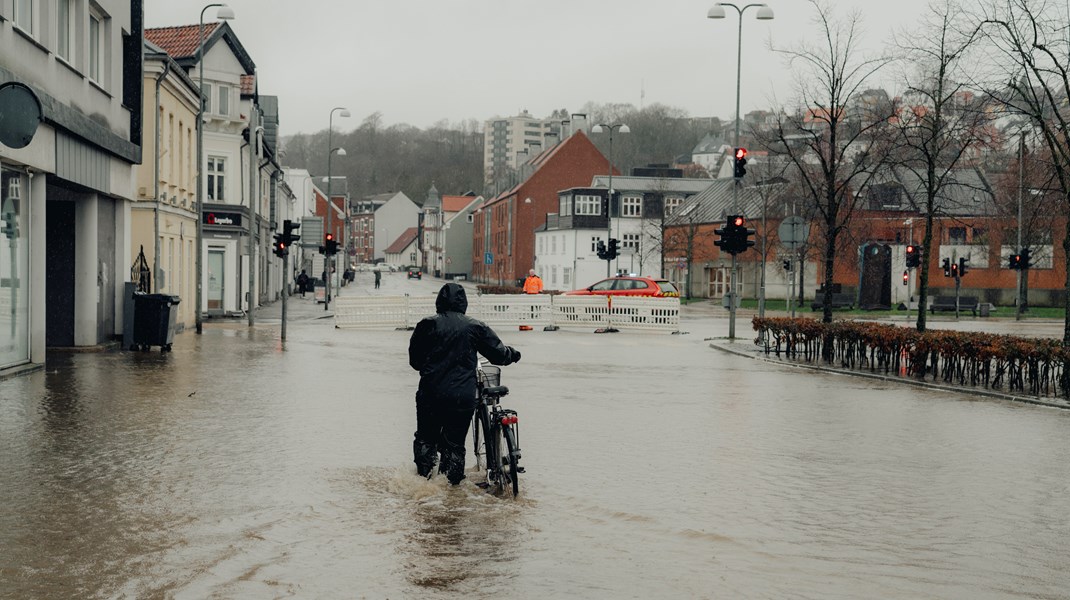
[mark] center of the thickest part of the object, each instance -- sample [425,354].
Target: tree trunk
[926,261]
[1066,290]
[830,262]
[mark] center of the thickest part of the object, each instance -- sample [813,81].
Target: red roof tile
[452,204]
[402,242]
[182,41]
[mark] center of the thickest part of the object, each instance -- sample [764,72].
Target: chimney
[566,129]
[550,139]
[534,148]
[579,122]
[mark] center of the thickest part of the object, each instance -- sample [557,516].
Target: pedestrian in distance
[444,349]
[378,277]
[532,285]
[302,282]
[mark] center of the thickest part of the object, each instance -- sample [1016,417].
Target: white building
[566,245]
[71,92]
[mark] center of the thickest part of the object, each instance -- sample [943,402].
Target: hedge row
[1036,366]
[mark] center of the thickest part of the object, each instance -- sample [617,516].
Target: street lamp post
[327,260]
[764,14]
[609,192]
[226,13]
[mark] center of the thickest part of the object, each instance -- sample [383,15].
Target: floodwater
[240,466]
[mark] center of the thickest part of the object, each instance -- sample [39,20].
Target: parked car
[415,274]
[629,286]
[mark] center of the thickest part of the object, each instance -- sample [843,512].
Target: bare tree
[834,140]
[1030,36]
[941,120]
[684,238]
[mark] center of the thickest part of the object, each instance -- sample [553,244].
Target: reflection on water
[235,468]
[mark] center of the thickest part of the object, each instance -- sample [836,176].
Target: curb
[759,355]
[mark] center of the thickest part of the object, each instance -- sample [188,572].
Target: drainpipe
[156,178]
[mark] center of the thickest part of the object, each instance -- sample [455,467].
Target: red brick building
[504,230]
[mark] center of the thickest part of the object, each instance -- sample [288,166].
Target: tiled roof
[717,201]
[455,203]
[402,242]
[248,85]
[624,184]
[181,41]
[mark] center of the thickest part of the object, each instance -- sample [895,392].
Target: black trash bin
[154,321]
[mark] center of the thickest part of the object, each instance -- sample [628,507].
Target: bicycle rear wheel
[479,438]
[511,468]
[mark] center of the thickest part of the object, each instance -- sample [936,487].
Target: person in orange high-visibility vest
[533,284]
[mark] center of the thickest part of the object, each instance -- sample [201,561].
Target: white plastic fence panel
[645,314]
[580,311]
[371,311]
[512,309]
[420,307]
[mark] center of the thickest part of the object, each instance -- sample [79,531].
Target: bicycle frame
[500,432]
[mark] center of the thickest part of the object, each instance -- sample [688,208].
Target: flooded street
[240,466]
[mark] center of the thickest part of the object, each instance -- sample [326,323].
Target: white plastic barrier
[512,309]
[500,310]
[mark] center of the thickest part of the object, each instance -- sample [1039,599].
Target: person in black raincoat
[443,349]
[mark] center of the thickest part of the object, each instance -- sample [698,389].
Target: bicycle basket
[489,375]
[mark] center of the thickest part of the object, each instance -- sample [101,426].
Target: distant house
[405,250]
[376,221]
[504,229]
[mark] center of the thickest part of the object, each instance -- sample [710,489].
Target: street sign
[488,258]
[793,232]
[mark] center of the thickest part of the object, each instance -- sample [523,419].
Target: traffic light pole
[285,289]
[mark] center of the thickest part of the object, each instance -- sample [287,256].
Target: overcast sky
[420,61]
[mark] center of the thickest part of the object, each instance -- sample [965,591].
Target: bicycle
[496,434]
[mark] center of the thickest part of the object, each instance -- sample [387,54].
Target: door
[216,277]
[875,287]
[721,281]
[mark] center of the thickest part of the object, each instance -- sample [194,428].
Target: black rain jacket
[443,349]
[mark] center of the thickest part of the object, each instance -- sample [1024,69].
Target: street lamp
[328,261]
[764,14]
[609,195]
[225,13]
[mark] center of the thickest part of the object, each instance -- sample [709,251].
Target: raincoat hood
[451,298]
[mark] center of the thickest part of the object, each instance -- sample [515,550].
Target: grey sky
[419,61]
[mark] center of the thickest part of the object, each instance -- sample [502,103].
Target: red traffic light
[741,153]
[330,236]
[910,249]
[738,221]
[906,277]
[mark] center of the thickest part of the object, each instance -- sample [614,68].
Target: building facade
[73,72]
[504,139]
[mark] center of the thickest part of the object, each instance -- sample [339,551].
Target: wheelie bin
[154,321]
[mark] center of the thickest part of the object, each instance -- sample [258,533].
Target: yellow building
[163,221]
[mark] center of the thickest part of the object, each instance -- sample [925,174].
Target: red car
[629,286]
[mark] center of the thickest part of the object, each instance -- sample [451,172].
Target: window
[956,235]
[564,206]
[25,17]
[224,100]
[96,45]
[589,205]
[207,98]
[566,276]
[980,235]
[631,240]
[671,204]
[632,206]
[594,244]
[542,245]
[553,275]
[553,244]
[64,31]
[217,171]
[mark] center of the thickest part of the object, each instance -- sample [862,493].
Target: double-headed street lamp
[764,14]
[226,13]
[609,195]
[328,261]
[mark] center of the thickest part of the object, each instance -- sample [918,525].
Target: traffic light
[288,227]
[955,270]
[962,265]
[906,277]
[913,256]
[740,166]
[330,246]
[1014,261]
[947,267]
[601,250]
[734,237]
[11,225]
[614,249]
[787,265]
[1026,260]
[281,248]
